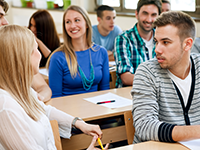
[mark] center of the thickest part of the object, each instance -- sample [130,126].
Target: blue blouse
[60,80]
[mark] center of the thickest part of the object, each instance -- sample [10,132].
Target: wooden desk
[76,106]
[152,145]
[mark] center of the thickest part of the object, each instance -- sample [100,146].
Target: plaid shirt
[129,52]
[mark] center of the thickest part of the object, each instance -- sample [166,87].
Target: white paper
[192,144]
[119,101]
[44,71]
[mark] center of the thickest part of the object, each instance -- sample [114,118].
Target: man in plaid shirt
[136,45]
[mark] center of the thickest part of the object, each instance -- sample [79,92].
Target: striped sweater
[156,105]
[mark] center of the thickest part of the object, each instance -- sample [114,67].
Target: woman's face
[75,25]
[35,59]
[33,26]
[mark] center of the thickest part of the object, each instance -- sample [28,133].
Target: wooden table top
[75,105]
[152,145]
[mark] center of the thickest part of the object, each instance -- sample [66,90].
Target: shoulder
[8,103]
[99,49]
[58,55]
[117,29]
[196,58]
[94,28]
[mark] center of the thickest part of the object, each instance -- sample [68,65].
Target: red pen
[103,102]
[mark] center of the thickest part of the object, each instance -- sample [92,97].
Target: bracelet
[74,121]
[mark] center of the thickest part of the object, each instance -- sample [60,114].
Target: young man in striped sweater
[166,90]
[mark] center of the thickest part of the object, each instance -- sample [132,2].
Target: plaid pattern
[129,52]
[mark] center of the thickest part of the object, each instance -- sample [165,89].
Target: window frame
[122,10]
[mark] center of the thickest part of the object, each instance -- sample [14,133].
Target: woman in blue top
[78,66]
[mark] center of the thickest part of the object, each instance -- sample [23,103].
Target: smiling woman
[78,66]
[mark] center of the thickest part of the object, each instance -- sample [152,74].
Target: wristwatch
[74,121]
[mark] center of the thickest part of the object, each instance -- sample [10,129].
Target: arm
[127,78]
[41,87]
[43,48]
[124,62]
[104,83]
[185,133]
[57,62]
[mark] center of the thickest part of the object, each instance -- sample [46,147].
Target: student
[136,45]
[166,90]
[78,66]
[106,31]
[42,25]
[24,119]
[166,6]
[39,85]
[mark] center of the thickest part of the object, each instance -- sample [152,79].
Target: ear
[136,14]
[187,44]
[98,19]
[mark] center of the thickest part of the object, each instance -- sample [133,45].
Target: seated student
[166,6]
[24,119]
[166,97]
[106,31]
[39,85]
[42,25]
[78,66]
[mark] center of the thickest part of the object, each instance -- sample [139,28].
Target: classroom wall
[21,16]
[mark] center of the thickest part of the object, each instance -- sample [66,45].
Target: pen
[100,143]
[103,102]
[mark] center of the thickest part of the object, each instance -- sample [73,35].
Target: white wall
[21,16]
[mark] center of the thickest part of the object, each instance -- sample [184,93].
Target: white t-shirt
[183,85]
[19,131]
[149,45]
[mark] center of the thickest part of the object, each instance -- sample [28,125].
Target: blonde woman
[78,66]
[24,119]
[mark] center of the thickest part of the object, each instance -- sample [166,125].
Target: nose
[149,18]
[158,49]
[4,22]
[73,24]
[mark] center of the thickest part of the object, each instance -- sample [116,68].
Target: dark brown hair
[102,8]
[181,20]
[141,3]
[4,5]
[46,30]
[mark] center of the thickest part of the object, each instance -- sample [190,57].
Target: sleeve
[104,83]
[122,55]
[56,74]
[146,108]
[64,119]
[14,133]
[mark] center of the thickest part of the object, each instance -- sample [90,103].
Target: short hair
[166,1]
[102,8]
[46,29]
[4,5]
[184,23]
[141,3]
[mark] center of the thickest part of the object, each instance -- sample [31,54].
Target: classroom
[114,74]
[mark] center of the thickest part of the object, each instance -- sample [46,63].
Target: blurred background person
[166,5]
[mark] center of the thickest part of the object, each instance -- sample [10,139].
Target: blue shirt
[105,41]
[60,80]
[130,51]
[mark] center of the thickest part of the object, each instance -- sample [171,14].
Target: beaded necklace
[87,83]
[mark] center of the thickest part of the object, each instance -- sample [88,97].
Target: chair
[113,78]
[56,134]
[130,130]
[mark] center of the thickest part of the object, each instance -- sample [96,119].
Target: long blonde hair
[67,47]
[16,72]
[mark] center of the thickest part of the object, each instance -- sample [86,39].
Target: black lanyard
[186,109]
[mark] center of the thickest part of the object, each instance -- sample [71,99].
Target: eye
[77,20]
[67,22]
[165,42]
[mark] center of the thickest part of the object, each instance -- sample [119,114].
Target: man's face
[3,20]
[146,16]
[108,20]
[166,7]
[169,48]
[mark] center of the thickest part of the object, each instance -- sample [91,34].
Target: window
[190,6]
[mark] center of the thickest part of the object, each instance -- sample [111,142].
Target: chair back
[56,134]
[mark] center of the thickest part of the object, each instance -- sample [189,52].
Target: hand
[93,130]
[91,147]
